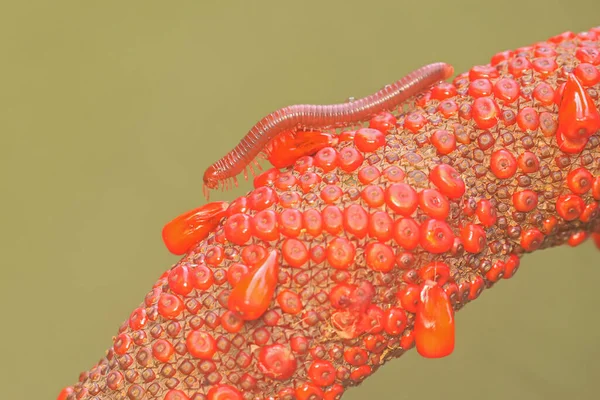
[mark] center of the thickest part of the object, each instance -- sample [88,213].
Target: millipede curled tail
[309,116]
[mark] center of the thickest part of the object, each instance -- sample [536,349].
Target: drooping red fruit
[254,292]
[224,392]
[578,117]
[65,393]
[183,232]
[434,322]
[285,149]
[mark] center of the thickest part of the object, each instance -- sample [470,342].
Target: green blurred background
[110,112]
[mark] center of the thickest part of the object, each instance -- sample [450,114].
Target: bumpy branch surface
[359,227]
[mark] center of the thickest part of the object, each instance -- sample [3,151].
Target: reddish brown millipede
[309,116]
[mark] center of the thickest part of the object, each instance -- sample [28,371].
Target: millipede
[310,116]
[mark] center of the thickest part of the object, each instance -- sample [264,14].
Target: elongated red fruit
[183,232]
[252,295]
[434,322]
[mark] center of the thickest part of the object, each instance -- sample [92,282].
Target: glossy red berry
[434,204]
[525,200]
[580,180]
[444,141]
[384,121]
[379,257]
[473,238]
[447,180]
[485,112]
[340,253]
[503,164]
[569,207]
[401,198]
[201,344]
[368,140]
[578,116]
[436,236]
[277,361]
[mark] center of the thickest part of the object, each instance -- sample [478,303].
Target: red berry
[525,200]
[447,180]
[436,236]
[201,344]
[401,198]
[503,164]
[340,253]
[379,257]
[473,238]
[434,204]
[368,140]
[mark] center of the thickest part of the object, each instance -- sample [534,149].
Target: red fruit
[174,394]
[201,344]
[379,257]
[277,362]
[312,222]
[407,233]
[503,164]
[528,162]
[485,112]
[183,232]
[434,322]
[162,350]
[436,236]
[528,119]
[368,140]
[394,321]
[332,219]
[235,273]
[340,253]
[525,200]
[294,252]
[580,180]
[480,87]
[252,295]
[486,213]
[237,229]
[578,117]
[434,204]
[326,159]
[290,222]
[381,226]
[224,392]
[331,193]
[401,198]
[65,393]
[473,238]
[384,121]
[443,141]
[373,195]
[232,322]
[180,280]
[531,239]
[169,306]
[266,178]
[435,271]
[264,225]
[308,391]
[262,198]
[368,174]
[202,277]
[349,159]
[447,180]
[322,373]
[356,220]
[507,90]
[587,74]
[409,297]
[569,206]
[289,302]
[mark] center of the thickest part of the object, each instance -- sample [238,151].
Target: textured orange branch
[308,284]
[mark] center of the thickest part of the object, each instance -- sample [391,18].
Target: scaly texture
[317,277]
